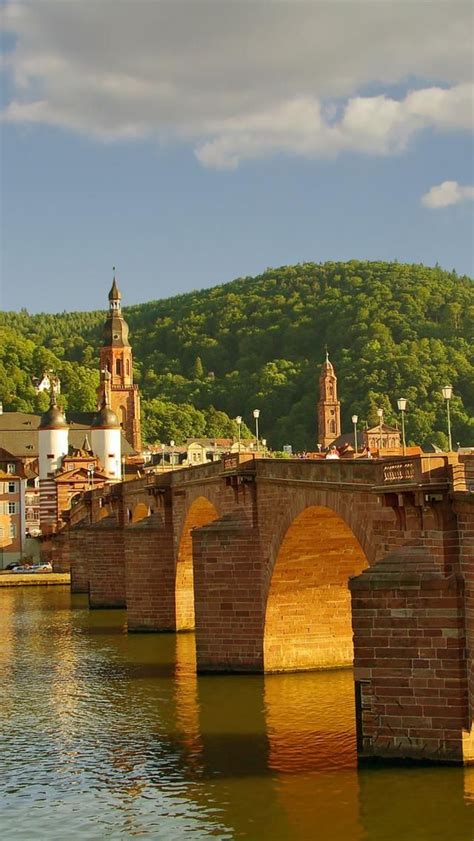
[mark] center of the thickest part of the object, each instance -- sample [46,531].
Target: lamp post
[238,421]
[355,418]
[172,454]
[402,404]
[380,415]
[447,394]
[162,457]
[264,445]
[256,414]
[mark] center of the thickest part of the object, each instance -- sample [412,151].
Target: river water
[105,735]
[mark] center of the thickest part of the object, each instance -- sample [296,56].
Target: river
[106,735]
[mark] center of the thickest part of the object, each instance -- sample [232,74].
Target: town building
[12,508]
[195,451]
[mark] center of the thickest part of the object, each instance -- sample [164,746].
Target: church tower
[116,371]
[329,407]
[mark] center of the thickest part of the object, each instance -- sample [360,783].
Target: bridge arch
[201,512]
[140,511]
[307,622]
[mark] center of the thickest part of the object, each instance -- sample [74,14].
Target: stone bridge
[285,565]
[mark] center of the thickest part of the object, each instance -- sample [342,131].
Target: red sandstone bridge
[284,565]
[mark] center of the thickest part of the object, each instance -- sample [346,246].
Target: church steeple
[329,407]
[116,370]
[115,297]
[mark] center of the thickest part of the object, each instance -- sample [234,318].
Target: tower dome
[115,294]
[327,367]
[115,333]
[54,417]
[105,419]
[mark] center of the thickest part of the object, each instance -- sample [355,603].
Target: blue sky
[190,146]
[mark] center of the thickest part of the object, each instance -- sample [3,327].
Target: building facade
[12,509]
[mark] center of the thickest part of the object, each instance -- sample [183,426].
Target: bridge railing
[421,469]
[401,472]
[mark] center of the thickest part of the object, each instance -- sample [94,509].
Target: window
[118,367]
[127,367]
[12,507]
[12,487]
[11,468]
[12,530]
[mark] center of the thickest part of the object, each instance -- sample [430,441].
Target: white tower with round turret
[53,440]
[106,441]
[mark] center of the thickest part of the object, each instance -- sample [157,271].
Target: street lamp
[172,454]
[447,394]
[256,414]
[264,445]
[355,418]
[402,404]
[380,415]
[162,457]
[238,421]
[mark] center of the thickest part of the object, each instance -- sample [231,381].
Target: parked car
[26,568]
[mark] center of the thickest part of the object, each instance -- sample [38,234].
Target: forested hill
[393,330]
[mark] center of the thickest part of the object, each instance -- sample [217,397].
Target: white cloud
[372,125]
[241,80]
[449,192]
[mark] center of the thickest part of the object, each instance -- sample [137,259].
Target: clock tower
[116,371]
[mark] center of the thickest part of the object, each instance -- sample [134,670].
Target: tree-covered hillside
[393,330]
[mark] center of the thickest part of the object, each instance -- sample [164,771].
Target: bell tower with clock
[116,371]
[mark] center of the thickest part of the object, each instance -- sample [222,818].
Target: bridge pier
[228,596]
[59,552]
[79,539]
[409,661]
[105,562]
[150,575]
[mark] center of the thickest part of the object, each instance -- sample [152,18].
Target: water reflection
[113,735]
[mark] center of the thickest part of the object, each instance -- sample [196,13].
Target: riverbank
[17,579]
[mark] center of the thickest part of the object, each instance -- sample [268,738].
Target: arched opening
[127,367]
[118,367]
[140,512]
[308,613]
[200,514]
[122,415]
